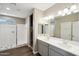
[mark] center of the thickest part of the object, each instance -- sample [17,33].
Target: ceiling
[22,9]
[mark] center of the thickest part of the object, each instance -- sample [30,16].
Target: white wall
[28,30]
[37,15]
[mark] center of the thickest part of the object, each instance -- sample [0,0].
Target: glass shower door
[7,34]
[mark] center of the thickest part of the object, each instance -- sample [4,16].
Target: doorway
[31,30]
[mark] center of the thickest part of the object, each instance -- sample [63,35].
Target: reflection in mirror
[40,30]
[52,21]
[43,28]
[52,27]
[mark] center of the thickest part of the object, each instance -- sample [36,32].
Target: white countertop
[66,45]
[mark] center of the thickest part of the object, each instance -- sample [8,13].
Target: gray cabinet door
[53,53]
[45,50]
[42,48]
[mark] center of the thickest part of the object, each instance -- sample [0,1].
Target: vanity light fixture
[73,7]
[66,10]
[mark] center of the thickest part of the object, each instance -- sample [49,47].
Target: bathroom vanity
[51,46]
[66,28]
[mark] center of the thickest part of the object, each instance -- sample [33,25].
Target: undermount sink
[56,41]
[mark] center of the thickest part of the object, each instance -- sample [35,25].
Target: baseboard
[30,47]
[35,52]
[21,45]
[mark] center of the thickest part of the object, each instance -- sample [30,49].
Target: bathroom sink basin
[55,40]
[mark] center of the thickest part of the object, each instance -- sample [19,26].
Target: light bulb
[73,7]
[75,11]
[65,10]
[69,13]
[59,12]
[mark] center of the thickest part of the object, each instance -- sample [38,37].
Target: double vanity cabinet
[46,49]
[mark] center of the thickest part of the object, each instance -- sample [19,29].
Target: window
[7,21]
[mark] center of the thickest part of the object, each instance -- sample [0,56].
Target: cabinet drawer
[60,51]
